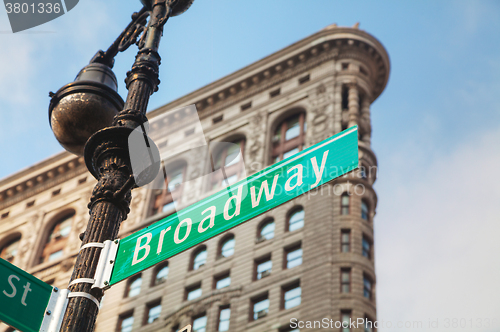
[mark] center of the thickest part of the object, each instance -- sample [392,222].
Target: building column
[353,104]
[365,116]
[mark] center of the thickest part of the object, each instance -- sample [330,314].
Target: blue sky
[436,128]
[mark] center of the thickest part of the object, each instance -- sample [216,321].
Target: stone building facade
[309,259]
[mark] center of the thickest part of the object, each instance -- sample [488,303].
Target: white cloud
[437,236]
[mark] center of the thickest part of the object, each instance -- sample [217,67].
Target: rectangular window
[304,79]
[200,324]
[246,106]
[289,329]
[367,287]
[345,97]
[367,247]
[260,307]
[224,316]
[368,324]
[345,280]
[274,93]
[345,240]
[292,296]
[154,311]
[222,281]
[346,320]
[217,119]
[193,292]
[293,257]
[296,220]
[263,268]
[345,204]
[125,322]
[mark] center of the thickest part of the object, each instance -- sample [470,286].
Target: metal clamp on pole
[56,308]
[85,295]
[106,264]
[92,245]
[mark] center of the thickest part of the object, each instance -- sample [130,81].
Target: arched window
[57,239]
[364,210]
[199,258]
[266,231]
[227,246]
[227,165]
[345,204]
[161,274]
[9,250]
[165,200]
[134,286]
[296,220]
[289,137]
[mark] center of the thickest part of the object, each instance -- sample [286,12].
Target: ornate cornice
[40,177]
[329,43]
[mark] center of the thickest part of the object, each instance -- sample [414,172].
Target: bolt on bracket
[105,265]
[56,308]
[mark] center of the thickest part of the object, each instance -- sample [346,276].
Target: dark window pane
[264,269]
[134,287]
[296,221]
[126,324]
[228,248]
[161,275]
[200,259]
[293,297]
[223,282]
[194,294]
[364,210]
[294,258]
[267,231]
[9,251]
[224,317]
[260,309]
[154,313]
[200,324]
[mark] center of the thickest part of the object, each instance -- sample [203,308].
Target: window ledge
[47,265]
[191,273]
[213,296]
[263,243]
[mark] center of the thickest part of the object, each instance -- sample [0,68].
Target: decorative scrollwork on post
[133,30]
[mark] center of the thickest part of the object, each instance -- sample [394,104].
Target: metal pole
[107,158]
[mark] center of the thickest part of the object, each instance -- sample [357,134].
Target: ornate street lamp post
[88,117]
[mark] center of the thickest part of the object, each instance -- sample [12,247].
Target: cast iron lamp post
[89,117]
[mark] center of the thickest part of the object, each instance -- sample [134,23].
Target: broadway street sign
[236,204]
[23,298]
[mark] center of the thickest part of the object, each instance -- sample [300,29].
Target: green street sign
[236,204]
[23,298]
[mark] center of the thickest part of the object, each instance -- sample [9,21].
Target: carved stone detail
[256,142]
[321,115]
[29,238]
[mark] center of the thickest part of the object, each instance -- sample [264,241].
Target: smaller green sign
[23,298]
